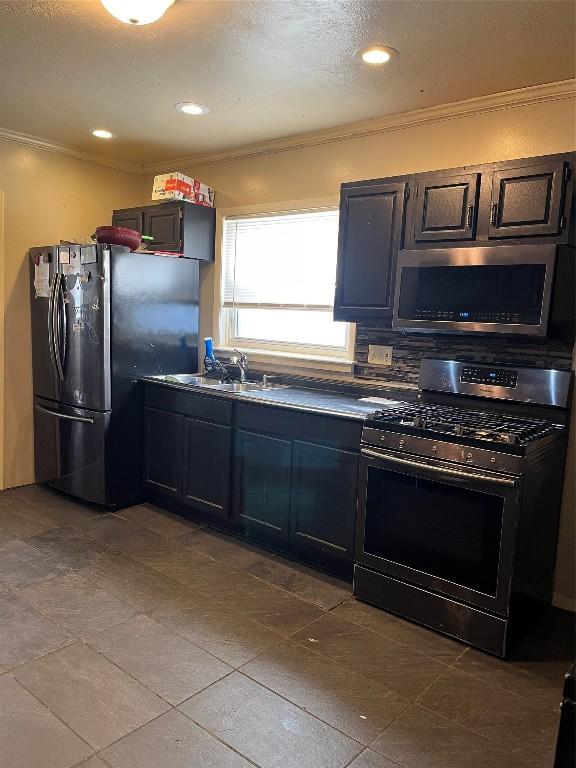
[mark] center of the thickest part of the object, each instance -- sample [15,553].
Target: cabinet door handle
[470,216]
[493,214]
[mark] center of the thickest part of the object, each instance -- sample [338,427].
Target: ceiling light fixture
[378,54]
[189,108]
[101,133]
[137,12]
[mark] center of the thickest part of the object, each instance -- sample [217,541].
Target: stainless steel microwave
[498,289]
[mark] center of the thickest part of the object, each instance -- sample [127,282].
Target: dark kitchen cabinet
[370,235]
[445,207]
[131,219]
[246,468]
[164,224]
[263,468]
[176,227]
[527,199]
[207,464]
[323,499]
[163,452]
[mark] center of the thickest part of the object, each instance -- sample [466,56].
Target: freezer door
[43,269]
[81,327]
[70,449]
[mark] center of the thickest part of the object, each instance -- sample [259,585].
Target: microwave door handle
[454,473]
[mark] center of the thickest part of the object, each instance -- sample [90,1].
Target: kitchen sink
[248,386]
[226,386]
[188,378]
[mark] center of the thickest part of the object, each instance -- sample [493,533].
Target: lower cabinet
[188,460]
[206,475]
[164,432]
[296,492]
[323,508]
[252,473]
[263,467]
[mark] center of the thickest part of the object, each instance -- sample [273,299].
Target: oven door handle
[455,473]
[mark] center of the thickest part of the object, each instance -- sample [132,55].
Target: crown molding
[520,97]
[61,149]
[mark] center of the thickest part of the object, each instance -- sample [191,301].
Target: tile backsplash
[409,349]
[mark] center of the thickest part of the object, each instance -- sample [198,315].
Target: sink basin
[227,386]
[189,378]
[248,386]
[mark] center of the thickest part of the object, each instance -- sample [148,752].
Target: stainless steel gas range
[459,499]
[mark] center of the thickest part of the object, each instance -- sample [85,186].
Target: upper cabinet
[176,227]
[131,218]
[164,223]
[445,207]
[527,200]
[370,235]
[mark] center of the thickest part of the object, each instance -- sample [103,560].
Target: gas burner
[461,422]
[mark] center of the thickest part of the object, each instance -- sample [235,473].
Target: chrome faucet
[242,362]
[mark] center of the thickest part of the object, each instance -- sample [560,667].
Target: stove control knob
[468,457]
[493,459]
[401,444]
[434,448]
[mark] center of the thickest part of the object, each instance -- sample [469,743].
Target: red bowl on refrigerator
[119,236]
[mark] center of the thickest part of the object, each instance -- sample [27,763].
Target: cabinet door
[323,511]
[370,235]
[445,207]
[206,481]
[164,223]
[527,201]
[163,452]
[263,469]
[131,219]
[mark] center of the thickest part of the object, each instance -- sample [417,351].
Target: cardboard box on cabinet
[177,186]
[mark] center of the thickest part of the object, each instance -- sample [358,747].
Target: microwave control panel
[466,316]
[498,377]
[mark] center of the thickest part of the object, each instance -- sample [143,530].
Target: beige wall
[318,171]
[47,197]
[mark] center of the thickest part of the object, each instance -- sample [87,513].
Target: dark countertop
[316,400]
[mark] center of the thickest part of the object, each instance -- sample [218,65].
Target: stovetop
[462,424]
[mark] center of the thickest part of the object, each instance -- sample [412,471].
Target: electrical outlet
[379,355]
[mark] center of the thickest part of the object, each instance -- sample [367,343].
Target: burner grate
[467,423]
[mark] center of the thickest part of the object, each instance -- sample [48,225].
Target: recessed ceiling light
[378,54]
[101,133]
[189,108]
[137,12]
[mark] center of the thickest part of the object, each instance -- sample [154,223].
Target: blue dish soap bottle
[209,359]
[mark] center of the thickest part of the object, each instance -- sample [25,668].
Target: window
[278,279]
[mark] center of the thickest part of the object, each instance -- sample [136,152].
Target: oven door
[441,526]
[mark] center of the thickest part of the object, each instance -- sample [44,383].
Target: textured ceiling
[266,68]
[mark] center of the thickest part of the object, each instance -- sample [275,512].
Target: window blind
[281,260]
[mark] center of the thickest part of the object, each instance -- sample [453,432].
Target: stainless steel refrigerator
[102,317]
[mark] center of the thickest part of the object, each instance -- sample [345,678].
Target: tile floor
[145,640]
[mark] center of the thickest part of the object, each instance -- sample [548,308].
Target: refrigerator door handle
[83,419]
[56,326]
[63,326]
[51,339]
